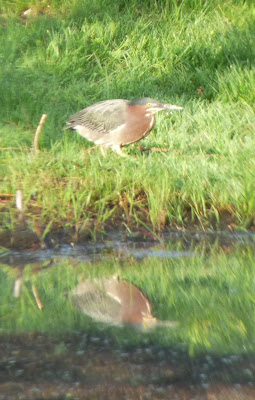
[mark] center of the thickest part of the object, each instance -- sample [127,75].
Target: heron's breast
[138,124]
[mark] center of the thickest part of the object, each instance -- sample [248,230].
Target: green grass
[196,54]
[211,295]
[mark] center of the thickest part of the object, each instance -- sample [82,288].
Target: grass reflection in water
[211,296]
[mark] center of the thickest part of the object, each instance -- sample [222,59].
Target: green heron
[117,123]
[116,302]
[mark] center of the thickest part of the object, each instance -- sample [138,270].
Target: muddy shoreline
[23,238]
[35,366]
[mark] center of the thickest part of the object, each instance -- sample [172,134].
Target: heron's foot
[117,148]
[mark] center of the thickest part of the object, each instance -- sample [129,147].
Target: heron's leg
[103,150]
[117,148]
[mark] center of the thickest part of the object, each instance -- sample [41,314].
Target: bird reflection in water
[116,302]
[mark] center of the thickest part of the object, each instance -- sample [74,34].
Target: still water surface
[204,282]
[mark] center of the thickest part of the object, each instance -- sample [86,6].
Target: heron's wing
[98,305]
[102,117]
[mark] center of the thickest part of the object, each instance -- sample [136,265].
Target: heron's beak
[159,107]
[172,107]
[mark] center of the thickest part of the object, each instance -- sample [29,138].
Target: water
[205,282]
[117,244]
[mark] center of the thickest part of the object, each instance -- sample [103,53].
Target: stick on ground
[38,133]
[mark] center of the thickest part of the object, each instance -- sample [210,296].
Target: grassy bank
[71,54]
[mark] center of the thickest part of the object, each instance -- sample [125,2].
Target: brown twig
[18,284]
[14,148]
[38,133]
[20,205]
[37,298]
[160,149]
[6,195]
[19,201]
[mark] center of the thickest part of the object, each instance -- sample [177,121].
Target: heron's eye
[148,105]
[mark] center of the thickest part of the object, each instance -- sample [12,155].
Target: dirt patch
[38,366]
